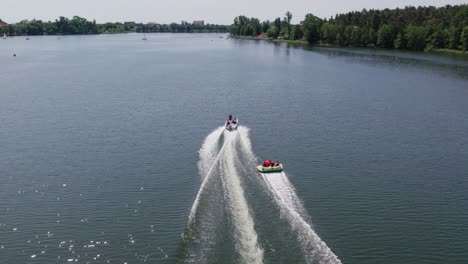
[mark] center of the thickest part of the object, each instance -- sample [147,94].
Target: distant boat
[144,37]
[27,38]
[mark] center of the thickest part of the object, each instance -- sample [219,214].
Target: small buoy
[14,55]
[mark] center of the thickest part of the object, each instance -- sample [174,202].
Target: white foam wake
[284,194]
[208,152]
[315,250]
[208,159]
[223,162]
[246,237]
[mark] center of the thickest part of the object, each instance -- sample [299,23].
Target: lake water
[111,151]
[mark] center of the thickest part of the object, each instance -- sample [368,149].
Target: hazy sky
[212,11]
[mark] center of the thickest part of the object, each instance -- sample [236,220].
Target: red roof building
[199,22]
[3,24]
[261,37]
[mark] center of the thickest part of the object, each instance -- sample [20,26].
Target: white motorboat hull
[231,126]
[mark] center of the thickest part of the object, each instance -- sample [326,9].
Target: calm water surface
[100,139]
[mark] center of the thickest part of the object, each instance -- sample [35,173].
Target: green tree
[347,34]
[355,37]
[439,38]
[11,30]
[272,32]
[296,32]
[247,30]
[234,30]
[415,37]
[311,28]
[277,24]
[453,38]
[265,26]
[329,32]
[340,40]
[364,37]
[400,42]
[464,38]
[288,17]
[256,26]
[372,37]
[385,37]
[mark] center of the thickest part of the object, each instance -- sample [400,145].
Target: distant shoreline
[115,33]
[81,26]
[303,43]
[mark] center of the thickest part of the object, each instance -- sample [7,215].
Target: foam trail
[207,162]
[208,151]
[245,234]
[315,250]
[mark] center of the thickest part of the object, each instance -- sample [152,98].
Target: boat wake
[245,234]
[209,155]
[218,166]
[220,217]
[315,250]
[291,208]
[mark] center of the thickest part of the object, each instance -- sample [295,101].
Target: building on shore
[199,22]
[261,37]
[3,24]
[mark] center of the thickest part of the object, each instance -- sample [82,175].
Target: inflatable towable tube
[270,169]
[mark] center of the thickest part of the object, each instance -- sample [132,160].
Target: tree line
[65,26]
[78,25]
[411,28]
[183,27]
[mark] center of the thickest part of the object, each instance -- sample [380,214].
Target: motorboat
[231,123]
[270,169]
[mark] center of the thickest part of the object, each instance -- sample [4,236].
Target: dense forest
[79,25]
[412,28]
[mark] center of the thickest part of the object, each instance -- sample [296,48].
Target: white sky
[212,11]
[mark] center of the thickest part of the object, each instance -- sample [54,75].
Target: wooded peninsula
[81,26]
[410,28]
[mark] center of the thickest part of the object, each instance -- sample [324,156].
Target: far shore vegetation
[443,29]
[80,26]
